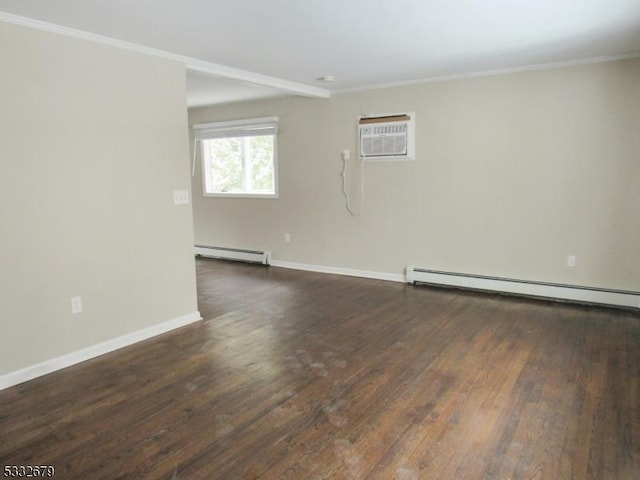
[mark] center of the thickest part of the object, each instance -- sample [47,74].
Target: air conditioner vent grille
[389,137]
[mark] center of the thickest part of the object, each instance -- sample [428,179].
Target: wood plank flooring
[297,375]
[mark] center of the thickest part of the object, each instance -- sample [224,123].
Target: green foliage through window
[240,165]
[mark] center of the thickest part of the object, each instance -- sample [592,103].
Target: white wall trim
[493,73]
[550,291]
[556,291]
[194,64]
[54,364]
[391,277]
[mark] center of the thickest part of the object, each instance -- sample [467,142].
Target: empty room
[320,239]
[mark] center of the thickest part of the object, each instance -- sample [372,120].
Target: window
[239,158]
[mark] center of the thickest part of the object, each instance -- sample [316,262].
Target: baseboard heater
[252,256]
[602,296]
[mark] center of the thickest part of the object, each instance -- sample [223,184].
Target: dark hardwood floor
[297,375]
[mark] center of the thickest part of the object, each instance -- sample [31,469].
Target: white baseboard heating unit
[253,256]
[620,298]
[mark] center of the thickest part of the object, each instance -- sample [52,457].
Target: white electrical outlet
[180,197]
[76,305]
[287,237]
[571,261]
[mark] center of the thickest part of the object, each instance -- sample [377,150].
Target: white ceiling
[241,49]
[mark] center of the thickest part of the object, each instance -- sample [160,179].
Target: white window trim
[208,131]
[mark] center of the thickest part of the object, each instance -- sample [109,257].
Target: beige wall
[93,140]
[513,173]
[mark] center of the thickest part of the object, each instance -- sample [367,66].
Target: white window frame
[238,128]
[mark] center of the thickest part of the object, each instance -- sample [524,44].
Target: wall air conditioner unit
[387,137]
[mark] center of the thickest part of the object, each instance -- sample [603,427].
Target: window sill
[243,195]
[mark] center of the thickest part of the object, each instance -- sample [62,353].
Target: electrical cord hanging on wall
[345,157]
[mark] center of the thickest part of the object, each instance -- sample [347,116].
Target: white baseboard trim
[391,277]
[574,293]
[49,366]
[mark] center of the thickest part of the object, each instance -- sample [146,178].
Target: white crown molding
[217,70]
[48,366]
[492,73]
[193,64]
